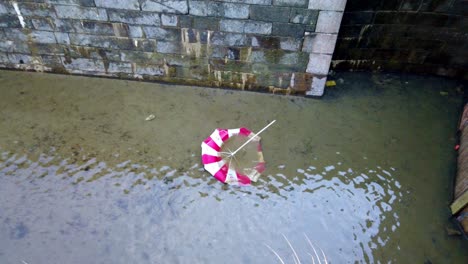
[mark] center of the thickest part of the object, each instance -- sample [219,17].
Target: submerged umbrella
[234,156]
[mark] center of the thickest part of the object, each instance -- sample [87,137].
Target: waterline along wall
[271,45]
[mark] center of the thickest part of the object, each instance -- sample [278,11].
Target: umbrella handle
[243,145]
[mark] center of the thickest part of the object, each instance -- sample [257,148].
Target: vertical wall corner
[320,44]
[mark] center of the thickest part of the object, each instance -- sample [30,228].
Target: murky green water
[365,172]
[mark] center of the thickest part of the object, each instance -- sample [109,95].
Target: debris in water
[150,117]
[330,83]
[444,93]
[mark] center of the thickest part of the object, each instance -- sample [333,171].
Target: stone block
[62,38]
[206,23]
[135,56]
[150,57]
[36,9]
[304,16]
[218,9]
[239,11]
[164,34]
[64,25]
[93,27]
[250,2]
[86,65]
[38,36]
[319,43]
[270,13]
[257,27]
[120,30]
[290,44]
[93,53]
[198,8]
[218,52]
[190,35]
[119,4]
[87,3]
[15,34]
[273,56]
[165,6]
[9,21]
[169,20]
[148,45]
[411,5]
[330,5]
[111,42]
[319,63]
[52,61]
[20,58]
[168,47]
[328,22]
[257,56]
[5,8]
[48,49]
[249,27]
[230,65]
[43,24]
[236,26]
[135,32]
[291,58]
[76,12]
[318,86]
[14,46]
[229,39]
[260,68]
[309,28]
[266,42]
[90,40]
[120,67]
[175,60]
[288,30]
[186,21]
[295,3]
[134,17]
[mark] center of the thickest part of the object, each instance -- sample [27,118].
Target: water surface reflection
[131,212]
[364,172]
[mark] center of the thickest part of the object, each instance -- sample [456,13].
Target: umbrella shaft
[247,142]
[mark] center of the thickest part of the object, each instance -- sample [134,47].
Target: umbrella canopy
[239,169]
[234,156]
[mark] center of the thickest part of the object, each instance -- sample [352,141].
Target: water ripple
[335,203]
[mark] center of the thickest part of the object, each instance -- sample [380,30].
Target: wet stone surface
[365,172]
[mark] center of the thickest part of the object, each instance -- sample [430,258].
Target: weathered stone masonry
[418,36]
[274,45]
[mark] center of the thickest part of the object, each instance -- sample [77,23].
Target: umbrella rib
[231,156]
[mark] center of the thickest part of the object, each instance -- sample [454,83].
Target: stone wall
[418,36]
[270,45]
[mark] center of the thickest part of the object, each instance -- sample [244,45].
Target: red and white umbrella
[238,167]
